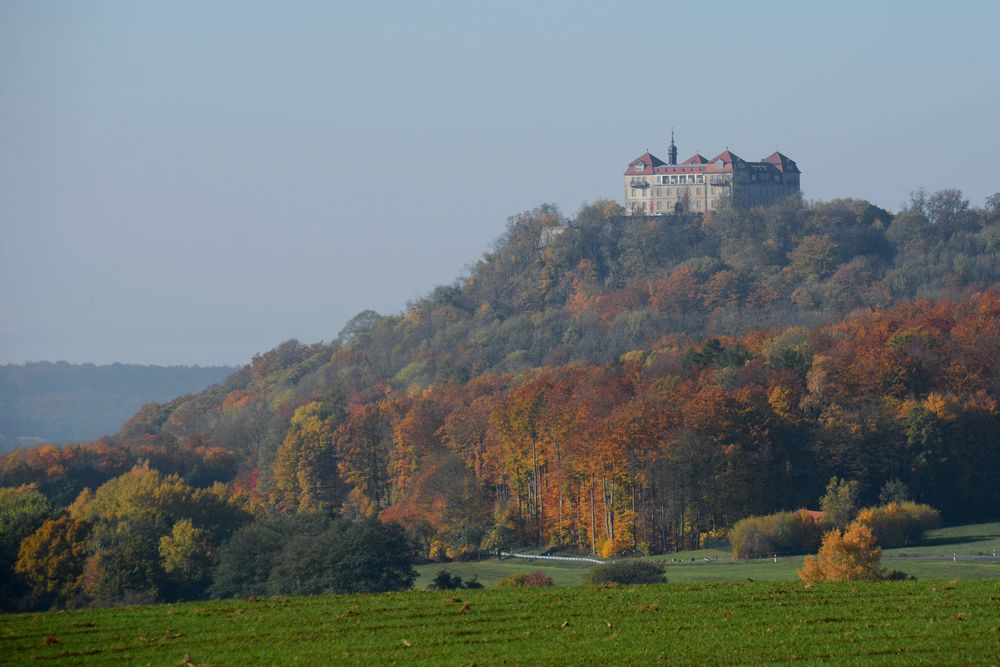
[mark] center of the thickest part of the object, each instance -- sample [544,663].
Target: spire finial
[672,153]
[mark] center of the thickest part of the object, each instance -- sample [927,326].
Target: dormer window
[640,167]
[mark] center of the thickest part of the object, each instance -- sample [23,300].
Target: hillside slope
[615,384]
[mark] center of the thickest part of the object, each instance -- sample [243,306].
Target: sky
[193,183]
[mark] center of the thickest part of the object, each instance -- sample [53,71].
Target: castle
[655,187]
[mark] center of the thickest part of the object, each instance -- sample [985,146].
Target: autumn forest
[602,383]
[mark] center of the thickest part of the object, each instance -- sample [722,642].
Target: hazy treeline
[62,402]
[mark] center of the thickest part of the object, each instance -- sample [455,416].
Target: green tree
[186,556]
[840,503]
[246,560]
[22,510]
[131,514]
[351,557]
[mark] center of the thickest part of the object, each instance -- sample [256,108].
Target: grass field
[691,566]
[710,613]
[890,623]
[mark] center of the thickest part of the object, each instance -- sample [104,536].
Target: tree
[22,510]
[840,503]
[131,513]
[52,560]
[349,557]
[893,491]
[186,555]
[308,554]
[246,560]
[305,469]
[363,445]
[849,555]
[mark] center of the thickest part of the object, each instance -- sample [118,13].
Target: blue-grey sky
[195,182]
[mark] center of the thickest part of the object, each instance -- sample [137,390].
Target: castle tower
[672,153]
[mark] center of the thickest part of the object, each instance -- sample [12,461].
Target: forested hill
[62,402]
[615,383]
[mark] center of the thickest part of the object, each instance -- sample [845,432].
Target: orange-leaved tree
[851,555]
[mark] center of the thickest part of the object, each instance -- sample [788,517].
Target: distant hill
[62,402]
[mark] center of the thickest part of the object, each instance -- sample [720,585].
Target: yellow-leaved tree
[848,555]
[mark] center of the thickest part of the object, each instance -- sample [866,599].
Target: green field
[891,623]
[692,567]
[711,612]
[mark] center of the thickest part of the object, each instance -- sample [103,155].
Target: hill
[62,402]
[620,384]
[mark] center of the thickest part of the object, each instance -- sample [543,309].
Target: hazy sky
[195,182]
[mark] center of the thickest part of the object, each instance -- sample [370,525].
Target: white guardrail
[571,559]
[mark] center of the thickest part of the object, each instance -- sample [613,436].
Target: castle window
[640,167]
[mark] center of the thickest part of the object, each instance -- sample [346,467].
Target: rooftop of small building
[724,162]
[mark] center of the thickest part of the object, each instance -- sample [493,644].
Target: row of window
[681,179]
[662,192]
[763,177]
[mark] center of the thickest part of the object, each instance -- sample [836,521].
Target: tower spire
[672,153]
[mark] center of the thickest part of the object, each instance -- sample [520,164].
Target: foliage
[526,580]
[899,524]
[840,503]
[846,555]
[22,510]
[783,532]
[626,571]
[608,384]
[305,471]
[893,491]
[313,554]
[446,581]
[52,560]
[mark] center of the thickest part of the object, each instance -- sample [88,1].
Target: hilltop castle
[655,187]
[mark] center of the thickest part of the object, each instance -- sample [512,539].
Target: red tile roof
[728,157]
[724,162]
[648,161]
[782,162]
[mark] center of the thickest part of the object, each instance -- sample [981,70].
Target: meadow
[907,622]
[972,544]
[711,612]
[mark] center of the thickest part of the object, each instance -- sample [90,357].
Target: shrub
[445,581]
[773,533]
[626,572]
[899,524]
[850,555]
[524,580]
